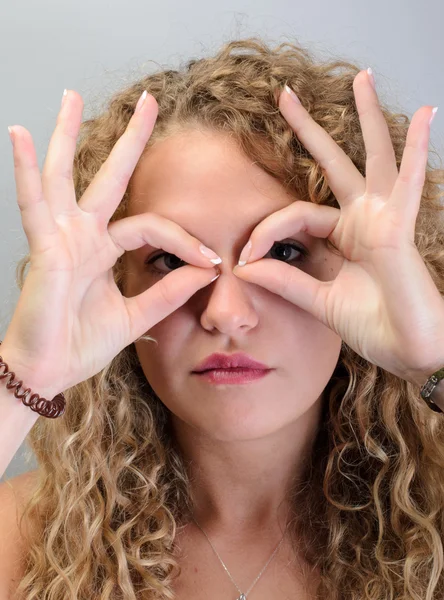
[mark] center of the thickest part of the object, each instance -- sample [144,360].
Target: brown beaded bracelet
[46,408]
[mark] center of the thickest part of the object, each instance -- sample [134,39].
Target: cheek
[312,350]
[324,264]
[136,277]
[165,364]
[161,360]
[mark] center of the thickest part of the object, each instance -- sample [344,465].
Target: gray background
[99,47]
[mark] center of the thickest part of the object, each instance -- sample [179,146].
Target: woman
[315,474]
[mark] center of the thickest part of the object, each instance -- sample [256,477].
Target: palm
[85,312]
[357,304]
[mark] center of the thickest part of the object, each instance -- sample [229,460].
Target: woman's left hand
[383,303]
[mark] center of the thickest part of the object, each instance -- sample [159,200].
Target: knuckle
[134,132]
[410,145]
[32,200]
[417,183]
[65,128]
[118,175]
[121,179]
[165,292]
[328,163]
[286,282]
[17,160]
[119,248]
[415,180]
[71,131]
[63,171]
[404,177]
[368,110]
[66,172]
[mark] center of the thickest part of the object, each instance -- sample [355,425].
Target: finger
[290,283]
[57,174]
[315,219]
[37,219]
[164,297]
[106,190]
[407,191]
[156,231]
[381,170]
[344,179]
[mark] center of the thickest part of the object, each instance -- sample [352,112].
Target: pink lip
[229,361]
[233,376]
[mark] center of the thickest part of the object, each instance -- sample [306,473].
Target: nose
[229,302]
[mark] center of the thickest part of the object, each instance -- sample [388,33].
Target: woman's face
[204,183]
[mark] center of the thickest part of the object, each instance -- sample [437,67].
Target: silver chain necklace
[242,595]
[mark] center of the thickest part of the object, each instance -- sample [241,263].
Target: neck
[241,487]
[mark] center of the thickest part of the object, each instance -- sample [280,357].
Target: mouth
[236,375]
[229,369]
[219,361]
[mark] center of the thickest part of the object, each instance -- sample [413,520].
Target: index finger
[344,179]
[106,190]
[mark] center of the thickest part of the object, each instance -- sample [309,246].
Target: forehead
[202,172]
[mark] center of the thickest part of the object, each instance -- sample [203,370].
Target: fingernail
[64,97]
[214,258]
[371,77]
[218,271]
[245,254]
[141,101]
[292,94]
[11,135]
[434,111]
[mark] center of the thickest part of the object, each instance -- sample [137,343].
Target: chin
[241,427]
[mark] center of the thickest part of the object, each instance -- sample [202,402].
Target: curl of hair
[112,491]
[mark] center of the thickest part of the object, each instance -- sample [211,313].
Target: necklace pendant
[242,597]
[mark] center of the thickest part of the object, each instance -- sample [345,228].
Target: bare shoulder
[14,494]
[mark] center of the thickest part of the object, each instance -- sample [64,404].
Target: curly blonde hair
[112,489]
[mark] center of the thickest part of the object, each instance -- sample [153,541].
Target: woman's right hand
[71,319]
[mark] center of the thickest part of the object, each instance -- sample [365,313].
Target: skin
[247,441]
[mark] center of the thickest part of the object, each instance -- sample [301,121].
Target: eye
[169,258]
[284,252]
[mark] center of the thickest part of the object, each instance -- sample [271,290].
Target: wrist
[28,377]
[437,393]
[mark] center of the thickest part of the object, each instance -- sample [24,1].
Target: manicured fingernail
[371,77]
[292,94]
[214,258]
[245,254]
[434,111]
[141,101]
[11,135]
[64,97]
